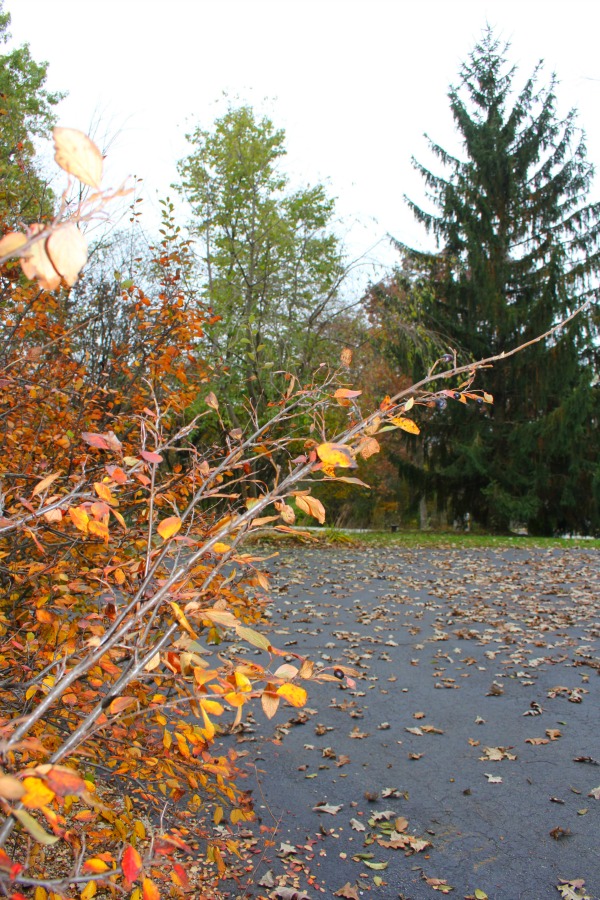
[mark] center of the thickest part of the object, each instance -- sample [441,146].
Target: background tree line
[265,272]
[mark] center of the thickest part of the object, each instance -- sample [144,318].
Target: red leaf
[131,864]
[95,440]
[151,457]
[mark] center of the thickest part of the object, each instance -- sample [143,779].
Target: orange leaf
[76,154]
[43,484]
[179,876]
[80,518]
[120,703]
[336,455]
[168,527]
[312,506]
[62,780]
[343,396]
[149,890]
[220,547]
[131,864]
[293,693]
[368,446]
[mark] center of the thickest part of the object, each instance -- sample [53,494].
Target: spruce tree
[518,251]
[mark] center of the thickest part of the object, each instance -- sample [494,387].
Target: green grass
[453,539]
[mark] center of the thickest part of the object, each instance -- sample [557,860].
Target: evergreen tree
[518,250]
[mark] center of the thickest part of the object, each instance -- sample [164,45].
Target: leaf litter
[385,612]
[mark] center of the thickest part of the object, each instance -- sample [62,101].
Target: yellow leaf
[220,548]
[34,828]
[76,154]
[405,424]
[293,693]
[336,455]
[80,518]
[218,814]
[180,616]
[67,250]
[95,865]
[89,891]
[168,527]
[312,506]
[37,794]
[105,493]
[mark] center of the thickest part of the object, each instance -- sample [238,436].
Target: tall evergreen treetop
[518,250]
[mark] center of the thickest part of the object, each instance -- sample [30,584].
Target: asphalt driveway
[464,759]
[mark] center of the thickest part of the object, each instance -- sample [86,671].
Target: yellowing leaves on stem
[336,455]
[405,424]
[168,527]
[77,155]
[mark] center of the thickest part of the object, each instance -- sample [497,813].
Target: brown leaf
[349,891]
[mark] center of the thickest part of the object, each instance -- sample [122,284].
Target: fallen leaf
[328,808]
[349,891]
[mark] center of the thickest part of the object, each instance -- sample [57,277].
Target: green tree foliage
[272,266]
[518,252]
[25,114]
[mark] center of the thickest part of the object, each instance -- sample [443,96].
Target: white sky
[355,83]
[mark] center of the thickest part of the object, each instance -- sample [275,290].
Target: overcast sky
[354,83]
